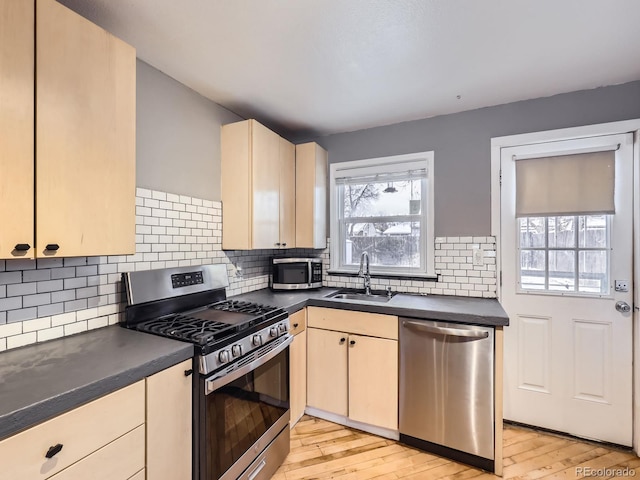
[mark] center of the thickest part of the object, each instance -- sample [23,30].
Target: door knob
[623,307]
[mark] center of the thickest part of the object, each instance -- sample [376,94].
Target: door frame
[627,126]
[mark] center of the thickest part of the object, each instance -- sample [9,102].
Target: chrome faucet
[364,272]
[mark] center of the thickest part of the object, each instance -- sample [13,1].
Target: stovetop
[215,325]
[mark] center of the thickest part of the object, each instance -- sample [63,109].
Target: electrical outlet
[622,286]
[478,256]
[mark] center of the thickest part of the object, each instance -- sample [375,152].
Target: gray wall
[462,145]
[178,136]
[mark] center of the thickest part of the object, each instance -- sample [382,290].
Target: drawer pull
[295,325]
[352,342]
[52,247]
[342,340]
[188,372]
[53,451]
[22,247]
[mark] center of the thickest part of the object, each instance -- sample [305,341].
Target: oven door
[245,412]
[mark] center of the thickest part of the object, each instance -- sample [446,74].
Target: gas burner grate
[181,327]
[243,307]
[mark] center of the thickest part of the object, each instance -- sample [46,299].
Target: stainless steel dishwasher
[446,389]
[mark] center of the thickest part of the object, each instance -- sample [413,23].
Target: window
[384,207]
[565,254]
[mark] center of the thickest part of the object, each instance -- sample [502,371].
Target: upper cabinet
[17,65]
[257,186]
[84,142]
[311,196]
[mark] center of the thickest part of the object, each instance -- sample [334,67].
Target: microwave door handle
[309,272]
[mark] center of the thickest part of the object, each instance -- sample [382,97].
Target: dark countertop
[41,381]
[469,310]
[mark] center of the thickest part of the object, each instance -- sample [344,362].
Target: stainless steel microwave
[300,273]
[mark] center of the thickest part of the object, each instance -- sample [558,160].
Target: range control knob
[257,340]
[273,332]
[224,356]
[282,328]
[236,351]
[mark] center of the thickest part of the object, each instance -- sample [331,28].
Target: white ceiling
[326,66]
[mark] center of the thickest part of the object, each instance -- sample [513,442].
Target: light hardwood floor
[321,450]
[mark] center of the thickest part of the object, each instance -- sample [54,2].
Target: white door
[568,350]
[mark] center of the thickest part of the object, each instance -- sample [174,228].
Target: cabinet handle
[188,372]
[22,247]
[295,325]
[352,342]
[52,246]
[284,244]
[53,451]
[342,340]
[278,244]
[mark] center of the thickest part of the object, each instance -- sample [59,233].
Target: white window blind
[578,184]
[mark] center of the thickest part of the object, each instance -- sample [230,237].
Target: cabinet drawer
[81,431]
[118,460]
[362,323]
[300,319]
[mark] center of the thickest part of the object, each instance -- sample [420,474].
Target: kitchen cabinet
[16,124]
[298,365]
[257,187]
[169,435]
[353,368]
[83,439]
[311,196]
[83,151]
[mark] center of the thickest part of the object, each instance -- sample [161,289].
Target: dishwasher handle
[455,332]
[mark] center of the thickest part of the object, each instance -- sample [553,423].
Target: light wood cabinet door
[327,382]
[287,194]
[298,376]
[16,127]
[265,171]
[373,381]
[311,196]
[85,136]
[169,435]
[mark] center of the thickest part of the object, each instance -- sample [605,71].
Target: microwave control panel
[316,272]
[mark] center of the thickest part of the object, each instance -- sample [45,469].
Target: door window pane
[533,269]
[532,232]
[562,270]
[593,231]
[594,272]
[562,232]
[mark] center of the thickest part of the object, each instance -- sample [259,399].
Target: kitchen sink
[381,297]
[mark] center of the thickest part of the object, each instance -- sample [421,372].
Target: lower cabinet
[69,444]
[169,423]
[353,366]
[298,365]
[125,435]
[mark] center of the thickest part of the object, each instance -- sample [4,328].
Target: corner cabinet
[258,171]
[298,365]
[311,196]
[83,151]
[353,369]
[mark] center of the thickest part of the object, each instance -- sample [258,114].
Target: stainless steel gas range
[241,388]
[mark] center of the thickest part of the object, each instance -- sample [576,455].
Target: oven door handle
[212,384]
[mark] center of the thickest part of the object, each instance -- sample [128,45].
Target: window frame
[382,165]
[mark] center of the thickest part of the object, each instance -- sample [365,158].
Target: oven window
[239,413]
[292,273]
